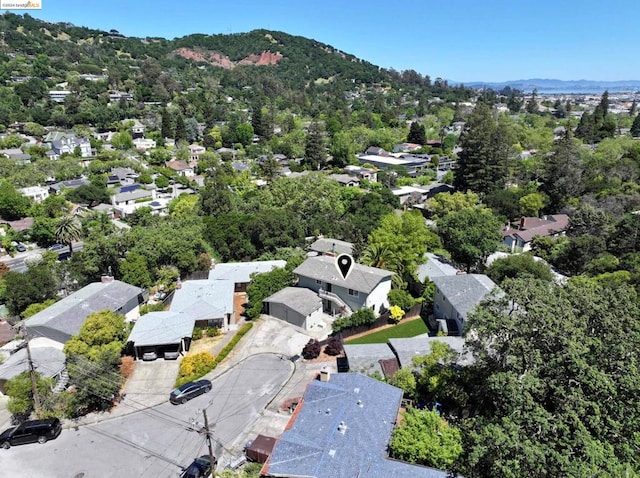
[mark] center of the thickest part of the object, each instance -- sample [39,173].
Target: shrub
[127,365]
[146,308]
[396,314]
[197,333]
[362,317]
[401,298]
[195,366]
[334,346]
[213,331]
[311,350]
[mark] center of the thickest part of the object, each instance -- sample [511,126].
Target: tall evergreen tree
[315,154]
[532,104]
[586,129]
[634,108]
[564,173]
[417,134]
[166,126]
[483,163]
[635,127]
[181,129]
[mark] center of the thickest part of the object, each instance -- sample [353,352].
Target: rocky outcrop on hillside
[223,61]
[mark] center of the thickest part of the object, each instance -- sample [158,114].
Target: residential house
[202,303]
[413,164]
[406,147]
[63,319]
[396,354]
[180,167]
[17,155]
[364,286]
[239,273]
[195,151]
[59,95]
[435,266]
[35,193]
[47,357]
[361,173]
[18,225]
[115,95]
[518,236]
[142,144]
[345,180]
[69,145]
[57,188]
[298,306]
[122,176]
[330,247]
[137,129]
[409,195]
[342,427]
[132,194]
[456,296]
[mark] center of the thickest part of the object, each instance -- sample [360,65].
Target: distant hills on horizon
[550,86]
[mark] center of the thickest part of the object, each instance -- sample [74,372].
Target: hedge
[195,366]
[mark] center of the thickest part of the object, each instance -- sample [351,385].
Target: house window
[437,307]
[318,281]
[353,293]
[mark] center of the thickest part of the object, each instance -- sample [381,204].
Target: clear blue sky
[461,40]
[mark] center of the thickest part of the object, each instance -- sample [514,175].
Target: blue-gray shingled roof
[435,266]
[464,291]
[317,445]
[65,318]
[361,278]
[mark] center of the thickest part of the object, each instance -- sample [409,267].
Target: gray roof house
[456,296]
[330,247]
[240,272]
[161,332]
[435,266]
[46,354]
[296,305]
[70,184]
[341,428]
[65,318]
[364,287]
[207,301]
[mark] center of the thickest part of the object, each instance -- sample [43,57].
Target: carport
[161,332]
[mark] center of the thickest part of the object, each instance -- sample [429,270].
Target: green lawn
[408,329]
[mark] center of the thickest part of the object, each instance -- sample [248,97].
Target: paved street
[18,262]
[158,441]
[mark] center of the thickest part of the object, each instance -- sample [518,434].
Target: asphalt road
[159,441]
[18,264]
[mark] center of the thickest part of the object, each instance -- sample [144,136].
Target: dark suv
[31,431]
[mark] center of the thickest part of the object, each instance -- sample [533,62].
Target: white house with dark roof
[456,296]
[63,319]
[364,286]
[341,428]
[518,236]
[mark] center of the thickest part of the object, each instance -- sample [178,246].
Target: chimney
[106,279]
[342,427]
[522,223]
[325,374]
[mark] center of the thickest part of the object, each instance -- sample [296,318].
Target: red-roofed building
[518,236]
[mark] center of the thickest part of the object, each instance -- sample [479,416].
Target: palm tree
[68,230]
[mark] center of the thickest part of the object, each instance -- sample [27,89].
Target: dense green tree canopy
[555,382]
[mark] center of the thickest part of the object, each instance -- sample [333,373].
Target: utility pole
[32,373]
[208,434]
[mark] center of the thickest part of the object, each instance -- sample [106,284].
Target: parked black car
[31,431]
[189,390]
[200,468]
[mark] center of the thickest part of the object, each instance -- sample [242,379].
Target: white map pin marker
[344,264]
